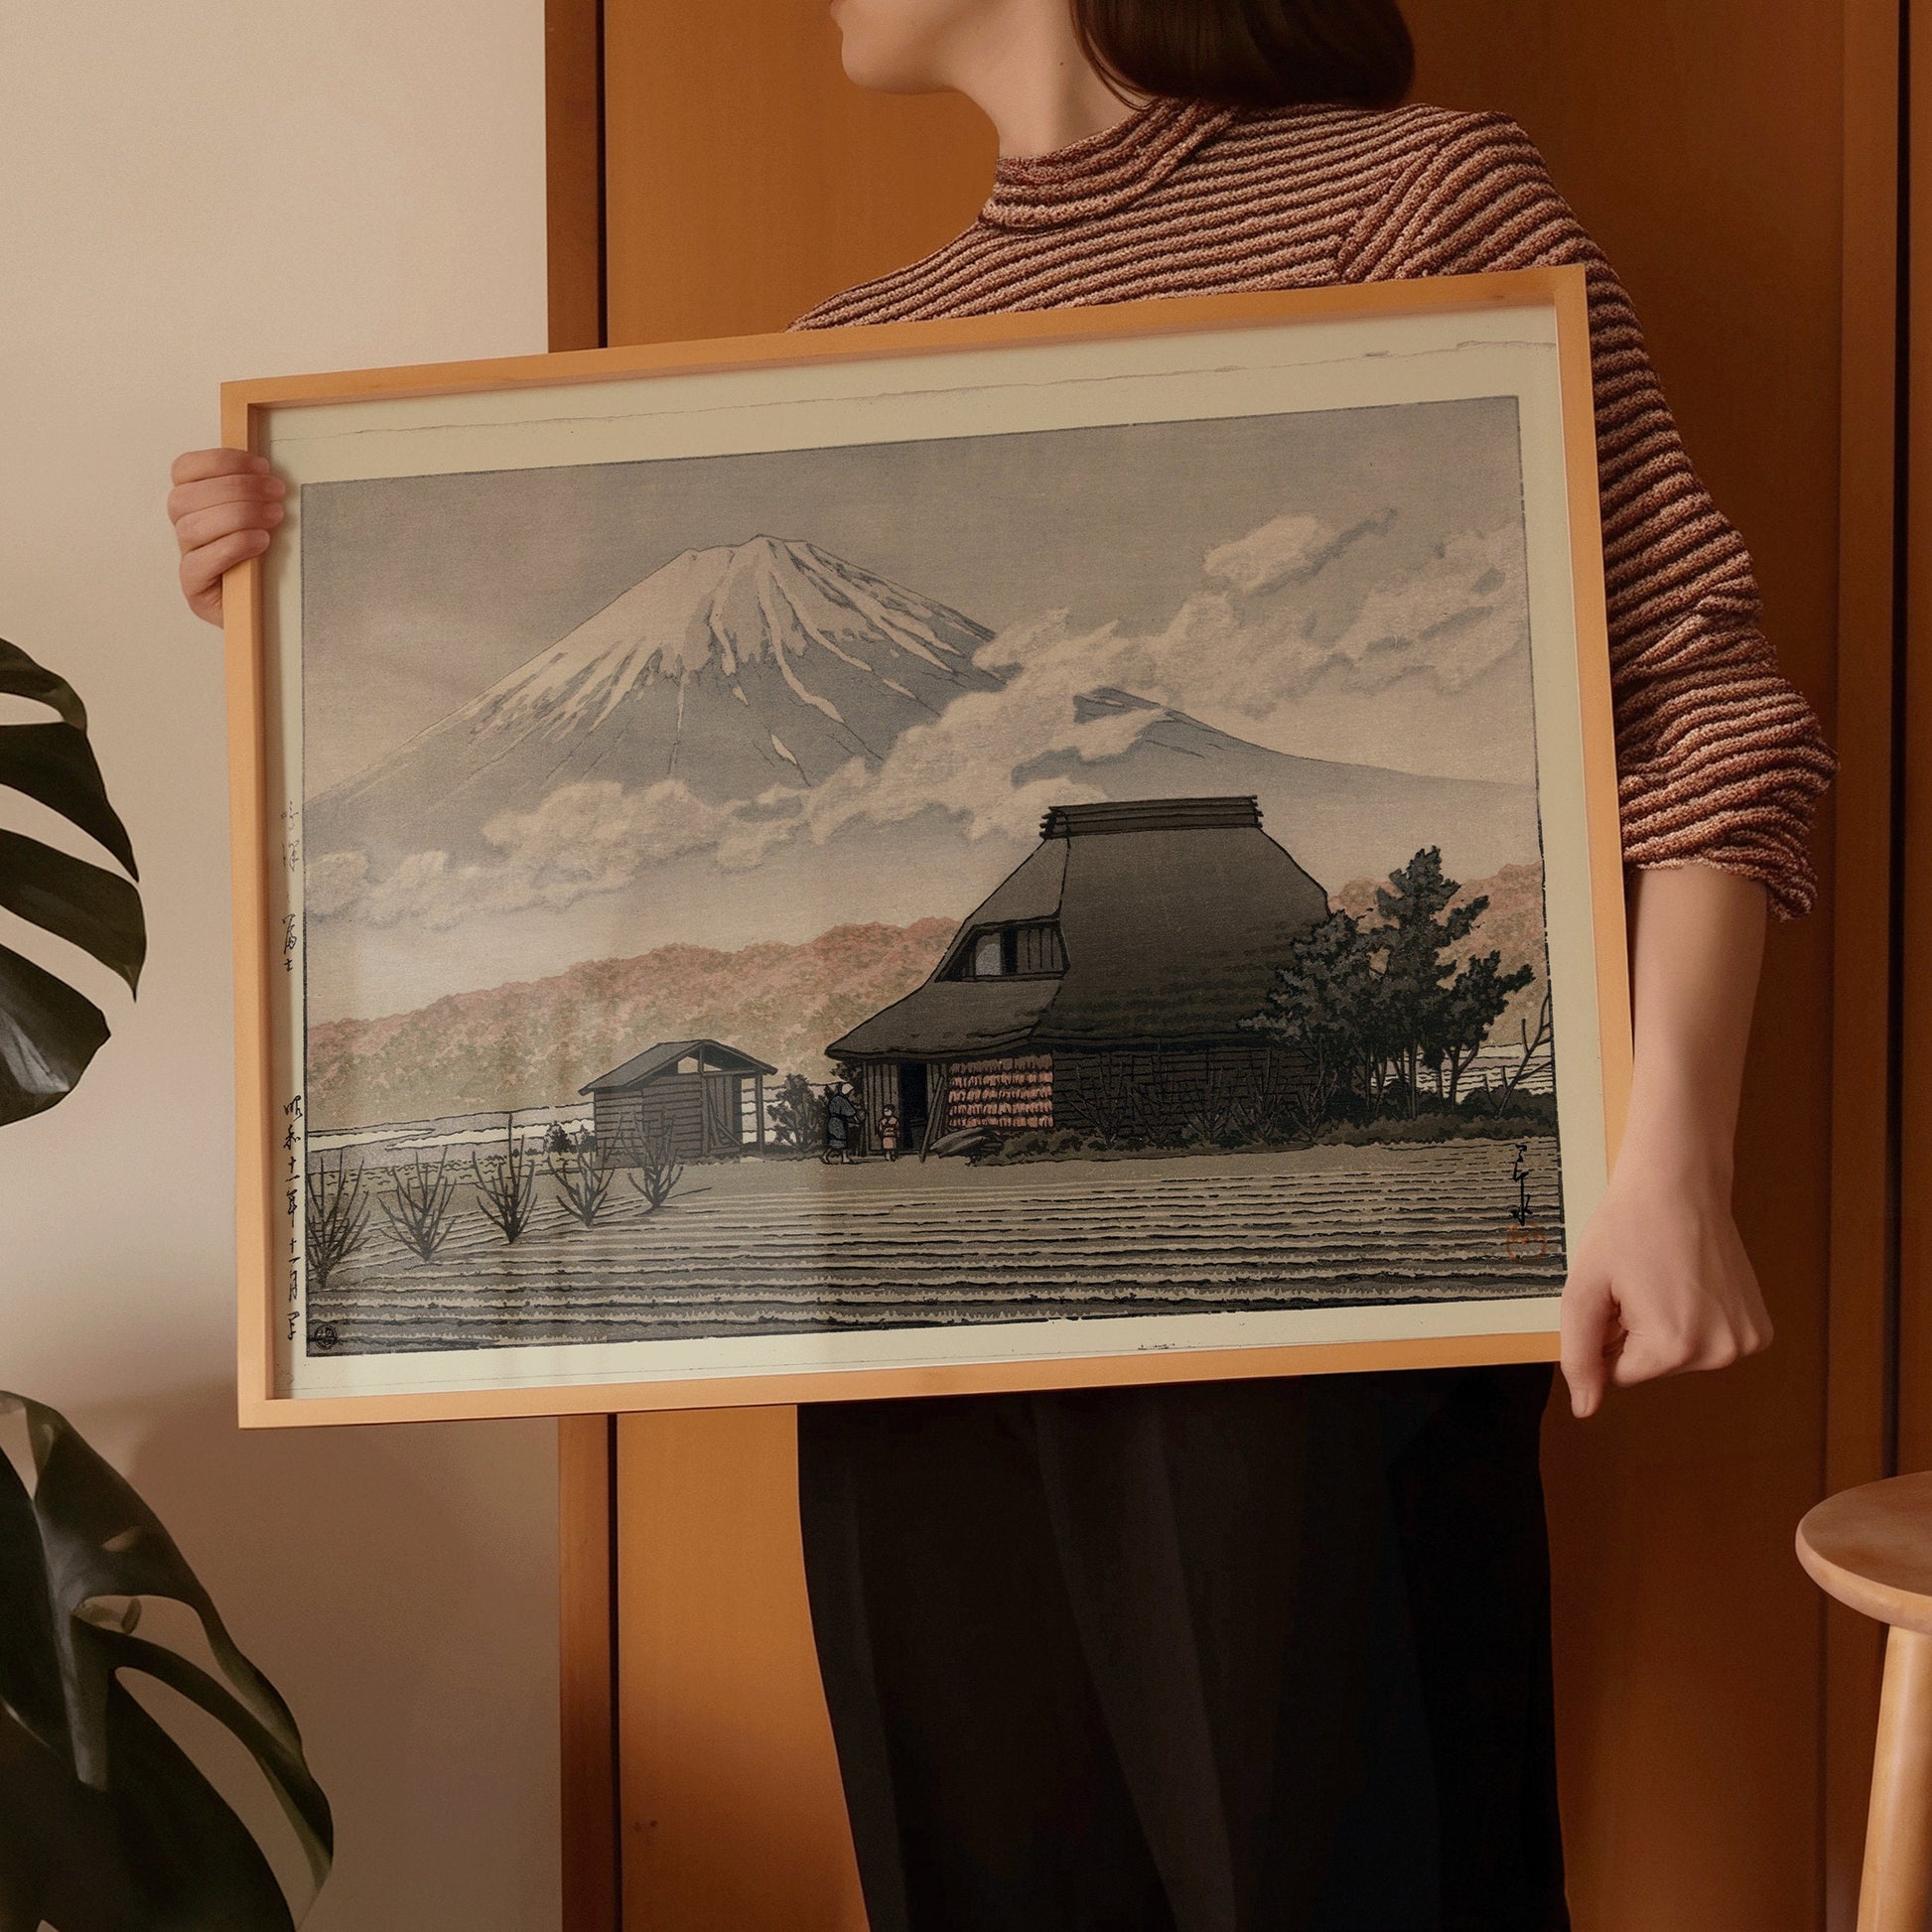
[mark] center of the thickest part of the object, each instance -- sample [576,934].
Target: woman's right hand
[224,507]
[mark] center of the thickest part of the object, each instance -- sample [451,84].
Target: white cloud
[598,834]
[425,886]
[334,882]
[1272,555]
[1265,639]
[593,837]
[964,761]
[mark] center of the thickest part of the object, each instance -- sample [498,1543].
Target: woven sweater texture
[1720,760]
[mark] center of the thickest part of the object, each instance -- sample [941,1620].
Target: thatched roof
[1174,915]
[662,1058]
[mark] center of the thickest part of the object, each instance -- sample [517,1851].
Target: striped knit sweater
[1720,760]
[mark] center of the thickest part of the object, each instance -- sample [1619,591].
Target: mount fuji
[733,669]
[751,674]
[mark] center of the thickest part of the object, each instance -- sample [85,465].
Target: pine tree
[1440,1016]
[796,1120]
[1324,1009]
[1467,1008]
[1364,1006]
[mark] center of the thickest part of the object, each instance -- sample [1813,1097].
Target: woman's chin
[876,73]
[872,60]
[876,80]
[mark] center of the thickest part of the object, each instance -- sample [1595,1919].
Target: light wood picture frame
[850,862]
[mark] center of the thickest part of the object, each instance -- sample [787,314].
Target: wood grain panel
[1703,145]
[588,1679]
[1915,1143]
[735,1821]
[748,180]
[1860,1373]
[573,119]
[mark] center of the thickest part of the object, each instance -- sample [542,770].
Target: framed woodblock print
[1062,848]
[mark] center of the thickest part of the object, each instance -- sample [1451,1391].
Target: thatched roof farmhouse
[1103,984]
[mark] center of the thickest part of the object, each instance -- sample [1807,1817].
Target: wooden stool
[1871,1549]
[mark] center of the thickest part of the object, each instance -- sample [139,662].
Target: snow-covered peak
[724,610]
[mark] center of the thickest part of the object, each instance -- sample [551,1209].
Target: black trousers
[1265,1656]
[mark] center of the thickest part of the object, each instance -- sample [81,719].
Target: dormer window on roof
[1031,950]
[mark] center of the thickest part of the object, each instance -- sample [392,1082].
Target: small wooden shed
[696,1098]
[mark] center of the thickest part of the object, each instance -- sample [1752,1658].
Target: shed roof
[653,1060]
[1174,915]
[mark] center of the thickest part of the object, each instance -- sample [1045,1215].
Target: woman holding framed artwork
[1274,1654]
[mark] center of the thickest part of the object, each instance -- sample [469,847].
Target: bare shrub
[336,1216]
[1105,1102]
[1533,1044]
[507,1189]
[1509,1094]
[1228,1122]
[658,1169]
[420,1213]
[584,1176]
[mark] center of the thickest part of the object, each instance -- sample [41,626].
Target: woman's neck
[1033,82]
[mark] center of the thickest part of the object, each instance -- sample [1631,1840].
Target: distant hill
[536,1043]
[1335,818]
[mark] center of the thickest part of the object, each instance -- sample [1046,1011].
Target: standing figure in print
[842,1123]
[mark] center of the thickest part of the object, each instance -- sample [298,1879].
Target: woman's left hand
[1661,1284]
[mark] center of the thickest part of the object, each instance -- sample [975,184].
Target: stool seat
[1871,1549]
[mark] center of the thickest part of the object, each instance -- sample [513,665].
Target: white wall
[194,191]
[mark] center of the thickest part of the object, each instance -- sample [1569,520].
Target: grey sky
[420,592]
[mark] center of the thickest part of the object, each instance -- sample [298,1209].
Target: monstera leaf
[105,1825]
[49,1032]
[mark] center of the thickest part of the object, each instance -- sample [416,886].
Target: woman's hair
[1252,53]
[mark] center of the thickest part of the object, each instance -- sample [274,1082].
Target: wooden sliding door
[1739,161]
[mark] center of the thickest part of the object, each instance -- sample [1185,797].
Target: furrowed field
[790,1246]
